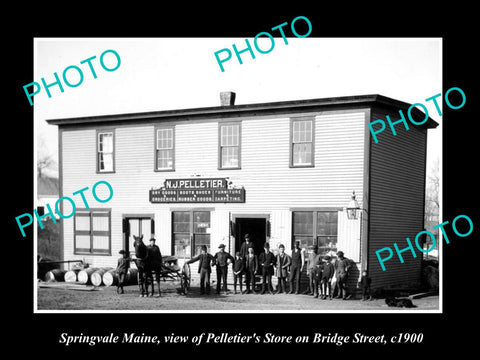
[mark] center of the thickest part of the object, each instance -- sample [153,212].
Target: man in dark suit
[267,263]
[204,269]
[222,259]
[245,246]
[342,266]
[155,262]
[298,261]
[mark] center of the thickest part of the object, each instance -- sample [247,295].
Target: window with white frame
[165,147]
[229,146]
[105,152]
[302,143]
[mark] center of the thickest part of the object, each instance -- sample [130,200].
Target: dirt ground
[106,298]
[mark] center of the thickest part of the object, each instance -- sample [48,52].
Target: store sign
[211,190]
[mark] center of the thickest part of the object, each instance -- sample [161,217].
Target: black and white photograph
[318,164]
[222,181]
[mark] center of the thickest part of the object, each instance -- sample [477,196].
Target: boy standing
[204,269]
[267,262]
[365,282]
[283,262]
[238,268]
[122,269]
[327,275]
[318,276]
[251,267]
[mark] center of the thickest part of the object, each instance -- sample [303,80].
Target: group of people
[287,268]
[320,270]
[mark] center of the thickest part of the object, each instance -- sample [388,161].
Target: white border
[275,311]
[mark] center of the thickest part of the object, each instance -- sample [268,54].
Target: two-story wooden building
[280,171]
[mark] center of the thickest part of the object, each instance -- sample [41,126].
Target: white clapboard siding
[282,231]
[272,186]
[348,237]
[163,230]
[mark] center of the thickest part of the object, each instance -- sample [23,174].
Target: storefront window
[316,228]
[327,231]
[303,228]
[92,231]
[190,232]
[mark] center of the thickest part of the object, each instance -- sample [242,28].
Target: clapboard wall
[272,186]
[397,190]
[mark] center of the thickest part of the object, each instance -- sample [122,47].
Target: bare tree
[432,201]
[45,160]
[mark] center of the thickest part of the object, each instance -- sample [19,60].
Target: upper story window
[105,151]
[302,142]
[164,149]
[230,142]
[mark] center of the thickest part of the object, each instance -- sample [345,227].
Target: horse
[141,254]
[149,260]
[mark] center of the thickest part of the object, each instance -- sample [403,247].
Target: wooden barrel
[110,278]
[96,278]
[83,276]
[55,275]
[71,276]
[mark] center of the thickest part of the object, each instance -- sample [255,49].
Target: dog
[394,302]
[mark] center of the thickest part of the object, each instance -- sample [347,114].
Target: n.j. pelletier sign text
[197,191]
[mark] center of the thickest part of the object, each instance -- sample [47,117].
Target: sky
[176,73]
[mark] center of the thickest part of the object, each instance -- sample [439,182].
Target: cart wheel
[185,279]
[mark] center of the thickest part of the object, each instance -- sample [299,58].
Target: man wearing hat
[221,261]
[327,275]
[122,269]
[204,269]
[267,261]
[283,263]
[312,262]
[154,262]
[298,261]
[245,246]
[342,265]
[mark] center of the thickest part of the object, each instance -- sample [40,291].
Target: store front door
[256,227]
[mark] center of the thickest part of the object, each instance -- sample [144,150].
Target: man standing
[222,259]
[342,265]
[204,269]
[312,262]
[267,262]
[244,247]
[251,268]
[154,261]
[283,262]
[298,261]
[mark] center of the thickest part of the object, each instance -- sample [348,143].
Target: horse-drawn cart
[172,271]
